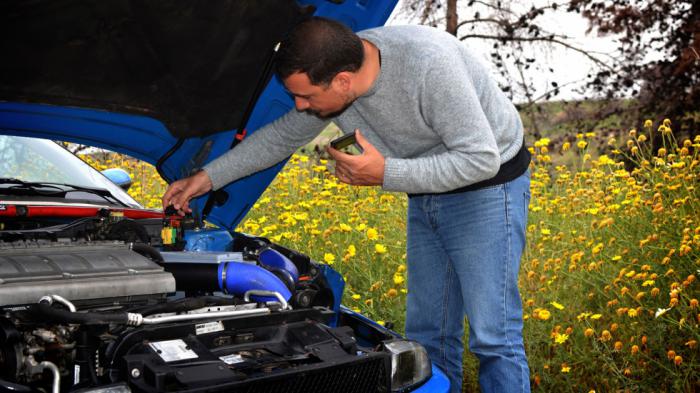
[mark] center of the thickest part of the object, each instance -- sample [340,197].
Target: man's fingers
[170,194]
[361,140]
[339,156]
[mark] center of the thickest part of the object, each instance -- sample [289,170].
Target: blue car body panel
[437,384]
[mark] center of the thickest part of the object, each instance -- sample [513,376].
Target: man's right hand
[180,192]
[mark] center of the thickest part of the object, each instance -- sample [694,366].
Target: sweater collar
[383,63]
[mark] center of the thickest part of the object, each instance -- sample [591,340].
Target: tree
[655,68]
[666,86]
[518,38]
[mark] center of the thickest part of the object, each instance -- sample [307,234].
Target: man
[432,123]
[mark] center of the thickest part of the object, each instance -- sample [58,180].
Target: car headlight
[410,364]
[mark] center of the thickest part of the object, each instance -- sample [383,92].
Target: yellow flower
[565,368]
[618,346]
[392,293]
[582,144]
[542,142]
[379,249]
[329,258]
[566,146]
[544,315]
[677,360]
[648,123]
[561,338]
[372,234]
[351,250]
[398,279]
[356,297]
[345,227]
[557,305]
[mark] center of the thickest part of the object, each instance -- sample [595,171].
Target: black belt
[509,170]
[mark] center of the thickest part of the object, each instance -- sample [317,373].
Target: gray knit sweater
[434,112]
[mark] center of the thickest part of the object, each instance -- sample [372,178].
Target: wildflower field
[608,279]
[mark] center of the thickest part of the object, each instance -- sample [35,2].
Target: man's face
[320,100]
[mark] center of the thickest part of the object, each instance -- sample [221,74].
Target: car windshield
[35,160]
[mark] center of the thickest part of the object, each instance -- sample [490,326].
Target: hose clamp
[224,287]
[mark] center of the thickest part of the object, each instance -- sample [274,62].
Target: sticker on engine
[173,350]
[209,327]
[232,358]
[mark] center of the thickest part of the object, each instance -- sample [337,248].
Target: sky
[569,66]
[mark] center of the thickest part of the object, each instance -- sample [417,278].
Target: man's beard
[349,99]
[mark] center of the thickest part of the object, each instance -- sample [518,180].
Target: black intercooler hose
[45,311]
[186,304]
[148,252]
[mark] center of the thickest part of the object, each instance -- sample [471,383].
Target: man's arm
[264,148]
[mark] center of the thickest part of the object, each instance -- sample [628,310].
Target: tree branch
[544,39]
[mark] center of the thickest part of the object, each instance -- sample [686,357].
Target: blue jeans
[463,259]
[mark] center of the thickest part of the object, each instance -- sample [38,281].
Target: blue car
[97,293]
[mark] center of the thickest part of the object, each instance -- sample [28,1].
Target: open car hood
[165,81]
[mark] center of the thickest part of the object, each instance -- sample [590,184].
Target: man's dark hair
[321,48]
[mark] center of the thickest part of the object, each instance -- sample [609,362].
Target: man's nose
[301,104]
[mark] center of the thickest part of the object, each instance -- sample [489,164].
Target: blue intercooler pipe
[229,277]
[239,277]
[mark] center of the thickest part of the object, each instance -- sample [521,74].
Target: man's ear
[342,81]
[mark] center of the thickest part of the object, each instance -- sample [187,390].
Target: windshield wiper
[21,187]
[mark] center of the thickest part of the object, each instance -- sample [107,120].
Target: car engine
[113,304]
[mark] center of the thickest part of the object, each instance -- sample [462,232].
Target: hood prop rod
[219,197]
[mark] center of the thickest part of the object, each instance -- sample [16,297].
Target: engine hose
[148,252]
[186,304]
[13,387]
[56,384]
[45,310]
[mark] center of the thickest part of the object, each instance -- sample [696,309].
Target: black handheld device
[343,141]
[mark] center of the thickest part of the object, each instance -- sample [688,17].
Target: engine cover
[77,271]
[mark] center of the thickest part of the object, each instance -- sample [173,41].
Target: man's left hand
[366,169]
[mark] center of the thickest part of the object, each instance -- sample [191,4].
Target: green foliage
[608,278]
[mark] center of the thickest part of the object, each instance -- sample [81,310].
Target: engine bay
[115,304]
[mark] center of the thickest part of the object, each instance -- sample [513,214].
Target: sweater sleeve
[265,147]
[451,107]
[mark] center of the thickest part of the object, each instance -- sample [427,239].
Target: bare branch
[541,39]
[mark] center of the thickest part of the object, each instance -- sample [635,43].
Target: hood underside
[169,82]
[180,62]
